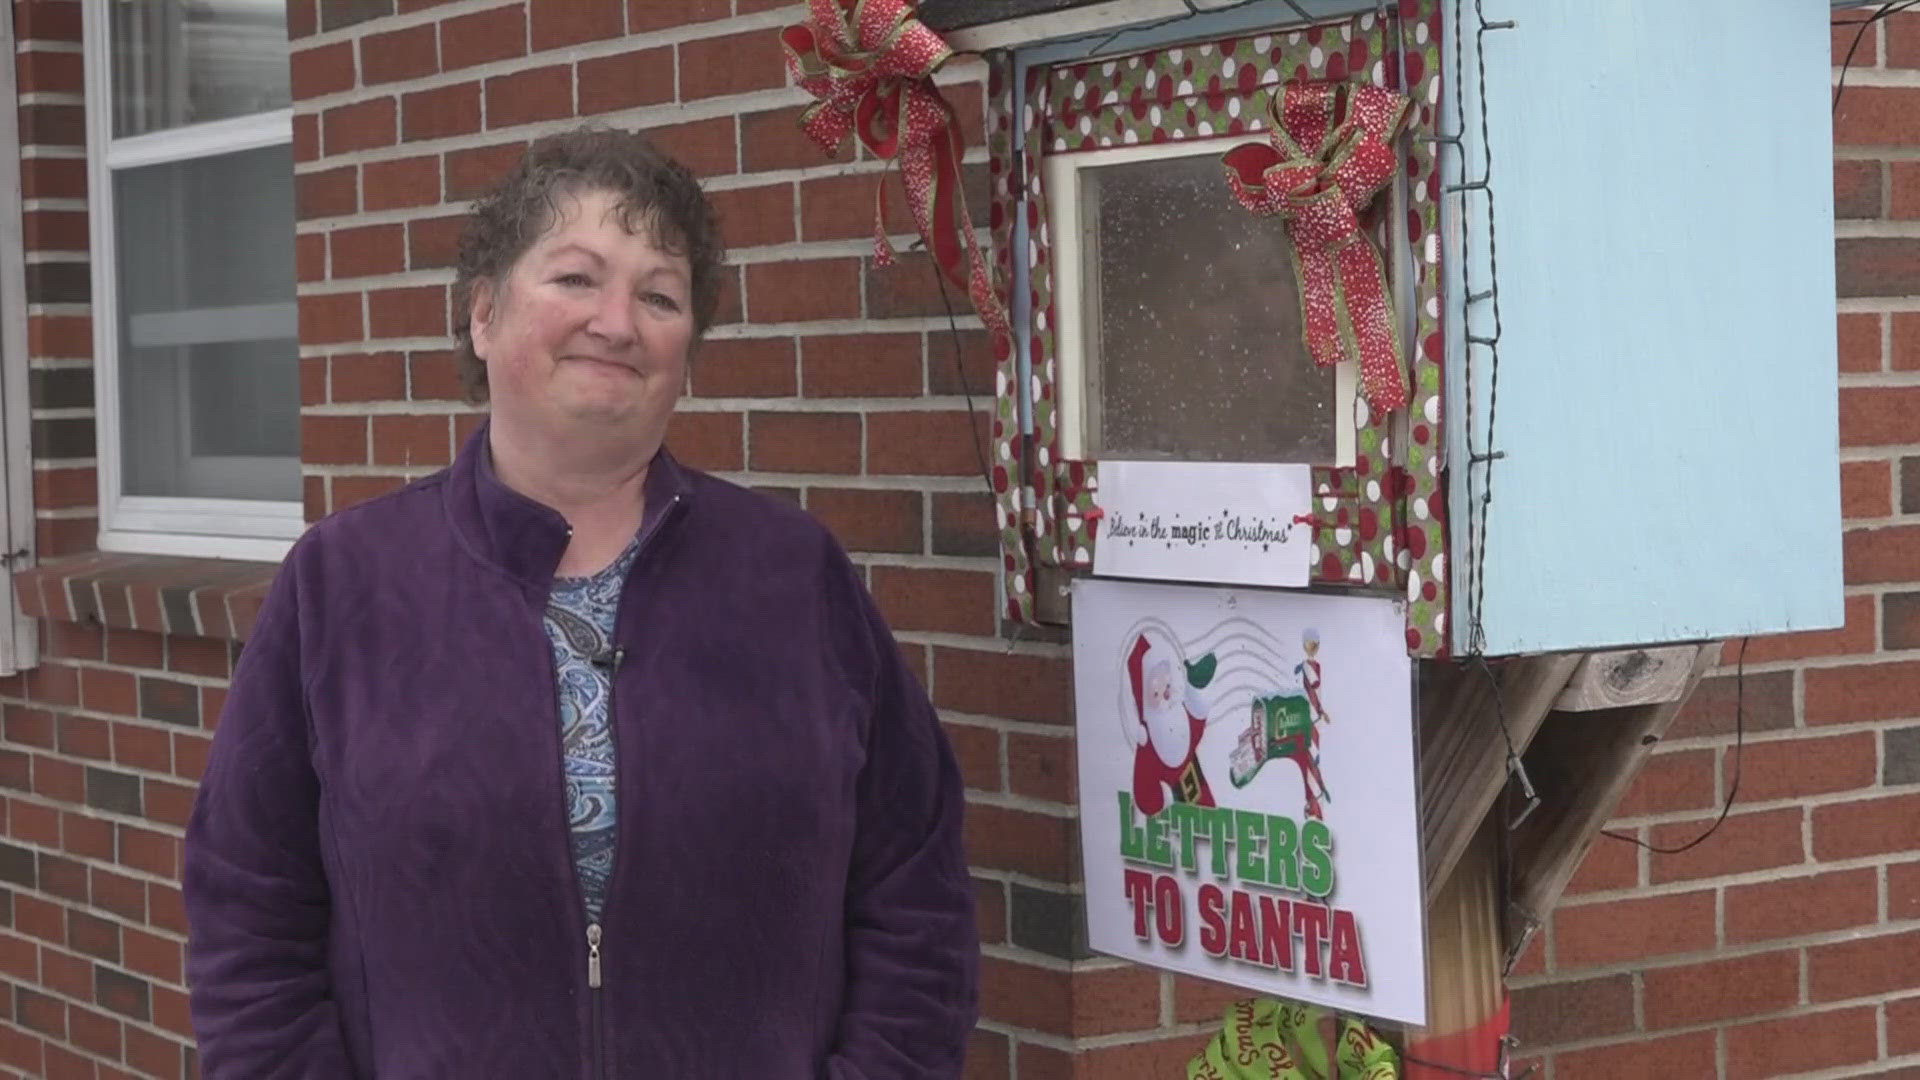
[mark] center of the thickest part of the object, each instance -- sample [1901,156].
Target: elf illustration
[1287,725]
[1165,722]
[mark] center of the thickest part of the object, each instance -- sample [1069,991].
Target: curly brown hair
[657,195]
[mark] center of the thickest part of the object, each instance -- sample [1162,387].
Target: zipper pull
[593,956]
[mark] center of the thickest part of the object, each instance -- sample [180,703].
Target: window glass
[179,62]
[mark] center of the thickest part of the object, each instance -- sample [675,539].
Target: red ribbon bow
[1331,153]
[871,63]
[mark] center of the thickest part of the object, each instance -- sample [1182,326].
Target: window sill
[167,594]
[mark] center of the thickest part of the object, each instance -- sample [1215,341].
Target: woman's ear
[481,306]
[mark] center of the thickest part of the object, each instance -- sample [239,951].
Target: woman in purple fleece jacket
[569,761]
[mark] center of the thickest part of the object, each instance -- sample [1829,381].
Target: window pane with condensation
[180,62]
[209,331]
[1193,323]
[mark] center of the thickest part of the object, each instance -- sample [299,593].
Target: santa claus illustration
[1165,722]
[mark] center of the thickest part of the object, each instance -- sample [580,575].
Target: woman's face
[589,332]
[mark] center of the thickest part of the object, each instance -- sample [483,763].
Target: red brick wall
[831,382]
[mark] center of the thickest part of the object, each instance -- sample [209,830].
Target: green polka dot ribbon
[1266,1039]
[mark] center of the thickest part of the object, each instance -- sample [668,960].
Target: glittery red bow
[871,63]
[1330,153]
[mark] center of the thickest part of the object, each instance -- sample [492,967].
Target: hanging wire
[1864,25]
[1733,785]
[960,375]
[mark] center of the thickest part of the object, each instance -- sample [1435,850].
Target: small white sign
[1247,809]
[1236,524]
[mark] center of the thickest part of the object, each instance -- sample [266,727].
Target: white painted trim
[199,140]
[1073,22]
[192,546]
[19,635]
[207,326]
[1063,217]
[221,528]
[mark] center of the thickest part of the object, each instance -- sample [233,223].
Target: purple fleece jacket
[379,881]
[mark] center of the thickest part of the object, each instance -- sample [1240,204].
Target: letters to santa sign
[1247,808]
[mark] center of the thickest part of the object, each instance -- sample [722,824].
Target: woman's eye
[578,280]
[662,300]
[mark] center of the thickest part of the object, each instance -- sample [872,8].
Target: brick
[41,1013]
[555,23]
[1741,843]
[1903,41]
[122,993]
[61,336]
[113,791]
[329,317]
[861,365]
[119,894]
[1796,768]
[94,936]
[1900,763]
[802,291]
[1879,415]
[42,72]
[62,781]
[714,441]
[368,250]
[105,690]
[403,182]
[33,823]
[774,140]
[805,442]
[412,440]
[55,230]
[869,521]
[1800,1043]
[1634,929]
[731,64]
[53,125]
[469,173]
[1879,265]
[174,702]
[85,737]
[310,257]
[143,849]
[1020,841]
[1905,203]
[483,37]
[628,80]
[1861,692]
[1553,1012]
[399,54]
[926,443]
[705,147]
[977,751]
[1857,189]
[1721,990]
[643,15]
[441,113]
[338,14]
[745,367]
[756,216]
[995,683]
[910,287]
[1910,485]
[1057,1002]
[152,1055]
[434,243]
[1042,767]
[1879,116]
[1863,967]
[95,1033]
[306,138]
[326,194]
[139,747]
[361,125]
[431,377]
[1864,827]
[1675,780]
[420,311]
[963,524]
[326,69]
[527,97]
[1906,335]
[368,377]
[936,601]
[1866,489]
[53,178]
[87,836]
[1048,921]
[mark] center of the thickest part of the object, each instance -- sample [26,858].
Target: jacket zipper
[596,931]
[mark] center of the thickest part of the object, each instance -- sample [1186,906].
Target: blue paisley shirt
[579,620]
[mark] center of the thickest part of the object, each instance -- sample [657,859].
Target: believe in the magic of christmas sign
[1247,806]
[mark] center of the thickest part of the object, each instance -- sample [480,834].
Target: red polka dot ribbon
[871,63]
[1330,153]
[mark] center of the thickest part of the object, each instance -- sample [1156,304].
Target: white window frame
[19,635]
[1065,228]
[218,528]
